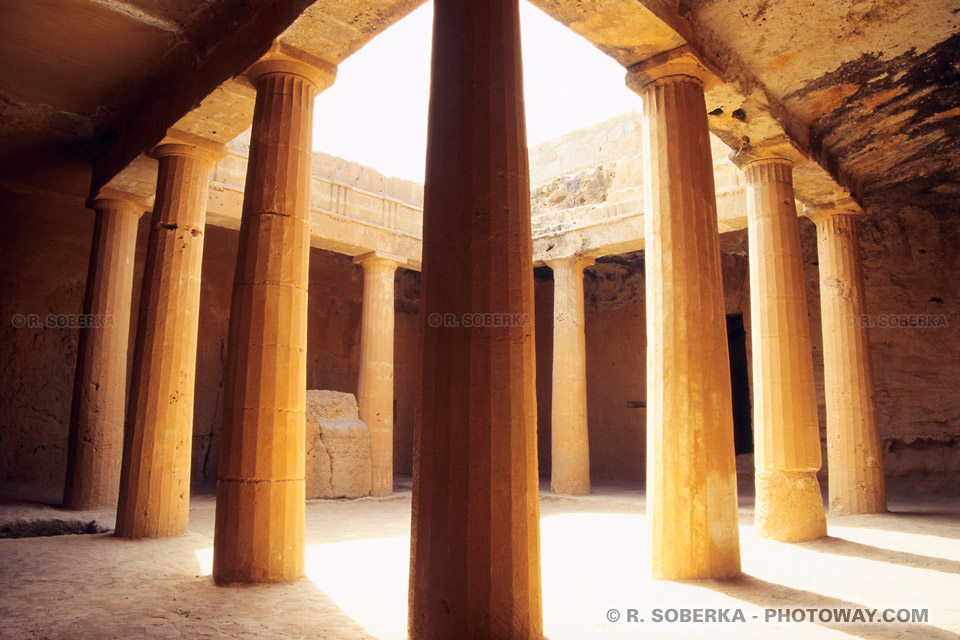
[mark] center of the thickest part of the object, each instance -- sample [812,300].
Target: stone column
[691,466]
[155,477]
[259,533]
[789,506]
[569,443]
[854,455]
[475,543]
[375,387]
[100,386]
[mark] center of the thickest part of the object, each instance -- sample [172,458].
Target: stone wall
[911,260]
[44,257]
[616,335]
[609,141]
[602,163]
[43,264]
[347,172]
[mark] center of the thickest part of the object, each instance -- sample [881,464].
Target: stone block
[338,447]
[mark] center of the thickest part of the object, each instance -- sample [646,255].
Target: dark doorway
[739,384]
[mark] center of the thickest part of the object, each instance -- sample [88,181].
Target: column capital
[280,59]
[818,212]
[379,257]
[764,159]
[768,169]
[580,260]
[107,198]
[679,62]
[779,148]
[183,143]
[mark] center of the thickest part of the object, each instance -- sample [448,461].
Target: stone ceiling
[871,89]
[103,79]
[865,89]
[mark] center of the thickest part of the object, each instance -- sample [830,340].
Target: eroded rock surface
[338,447]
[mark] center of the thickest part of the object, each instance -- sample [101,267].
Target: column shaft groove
[95,445]
[475,545]
[259,533]
[569,440]
[854,455]
[691,471]
[789,505]
[375,384]
[155,480]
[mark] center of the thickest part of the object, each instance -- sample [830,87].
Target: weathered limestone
[155,477]
[99,392]
[338,447]
[789,506]
[475,543]
[854,455]
[375,387]
[569,442]
[259,532]
[691,468]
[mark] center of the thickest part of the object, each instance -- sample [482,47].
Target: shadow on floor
[770,595]
[849,548]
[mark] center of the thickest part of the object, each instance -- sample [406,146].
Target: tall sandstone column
[475,545]
[95,447]
[691,466]
[375,387]
[854,455]
[789,506]
[569,444]
[155,477]
[259,532]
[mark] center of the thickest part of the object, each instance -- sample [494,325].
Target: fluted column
[375,387]
[854,455]
[569,443]
[789,506]
[259,532]
[155,478]
[95,447]
[475,544]
[691,469]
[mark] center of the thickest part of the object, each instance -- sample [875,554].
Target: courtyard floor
[593,557]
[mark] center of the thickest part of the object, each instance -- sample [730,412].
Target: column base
[789,506]
[145,530]
[674,569]
[380,492]
[570,489]
[259,534]
[862,502]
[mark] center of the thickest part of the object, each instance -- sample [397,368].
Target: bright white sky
[376,111]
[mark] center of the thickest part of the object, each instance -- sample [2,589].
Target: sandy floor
[98,586]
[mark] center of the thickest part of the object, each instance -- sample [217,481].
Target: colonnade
[475,537]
